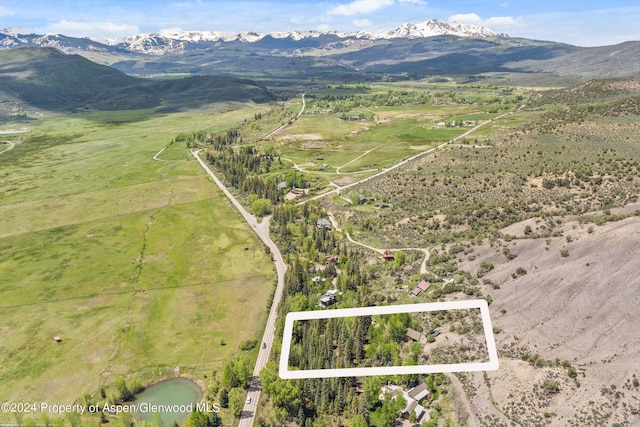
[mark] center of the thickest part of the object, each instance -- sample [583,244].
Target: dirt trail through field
[353,160]
[11,146]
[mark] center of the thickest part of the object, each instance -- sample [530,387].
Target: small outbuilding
[57,339]
[411,335]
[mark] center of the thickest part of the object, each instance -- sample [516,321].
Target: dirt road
[11,146]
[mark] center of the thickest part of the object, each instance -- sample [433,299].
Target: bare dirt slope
[582,308]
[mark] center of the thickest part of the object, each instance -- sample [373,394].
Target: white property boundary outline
[491,365]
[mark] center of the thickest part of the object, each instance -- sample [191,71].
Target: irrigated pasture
[140,265]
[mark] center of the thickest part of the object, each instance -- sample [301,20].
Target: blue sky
[582,23]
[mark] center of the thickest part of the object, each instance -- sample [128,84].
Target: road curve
[262,230]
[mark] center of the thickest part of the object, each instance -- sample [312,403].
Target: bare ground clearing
[303,136]
[581,307]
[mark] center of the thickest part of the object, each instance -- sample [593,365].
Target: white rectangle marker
[491,365]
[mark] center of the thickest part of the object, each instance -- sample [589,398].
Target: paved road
[262,230]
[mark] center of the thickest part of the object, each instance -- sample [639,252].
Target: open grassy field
[139,265]
[330,146]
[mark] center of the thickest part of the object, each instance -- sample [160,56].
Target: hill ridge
[52,80]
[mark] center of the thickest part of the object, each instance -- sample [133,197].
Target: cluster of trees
[329,343]
[229,390]
[333,343]
[243,168]
[217,140]
[343,103]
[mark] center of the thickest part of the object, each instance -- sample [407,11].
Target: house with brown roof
[331,258]
[420,287]
[387,255]
[419,393]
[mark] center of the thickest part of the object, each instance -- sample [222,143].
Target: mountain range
[178,42]
[57,71]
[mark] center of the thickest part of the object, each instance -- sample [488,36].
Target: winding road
[423,265]
[262,230]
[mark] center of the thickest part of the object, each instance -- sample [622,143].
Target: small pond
[175,398]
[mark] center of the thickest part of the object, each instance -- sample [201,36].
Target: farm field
[349,132]
[140,265]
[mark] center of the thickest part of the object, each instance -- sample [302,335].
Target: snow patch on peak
[176,40]
[15,32]
[434,27]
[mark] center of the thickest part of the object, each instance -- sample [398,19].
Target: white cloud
[361,23]
[94,28]
[360,7]
[500,22]
[5,12]
[469,18]
[405,2]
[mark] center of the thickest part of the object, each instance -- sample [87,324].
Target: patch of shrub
[248,345]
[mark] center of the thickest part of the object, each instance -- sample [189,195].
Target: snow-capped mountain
[178,41]
[433,27]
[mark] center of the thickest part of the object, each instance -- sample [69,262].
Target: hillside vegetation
[46,78]
[577,153]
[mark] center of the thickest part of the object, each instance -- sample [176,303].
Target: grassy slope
[46,78]
[88,213]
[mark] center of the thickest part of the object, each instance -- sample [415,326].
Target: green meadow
[332,147]
[140,265]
